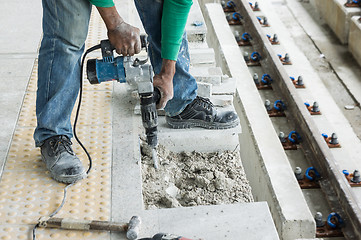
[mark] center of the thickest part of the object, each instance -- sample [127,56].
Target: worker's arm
[174,19]
[124,37]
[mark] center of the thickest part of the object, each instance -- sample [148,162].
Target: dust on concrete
[193,178]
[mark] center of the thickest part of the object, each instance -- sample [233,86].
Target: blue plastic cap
[324,135]
[339,220]
[290,136]
[315,171]
[345,172]
[230,4]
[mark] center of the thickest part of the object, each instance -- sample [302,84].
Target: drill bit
[155,158]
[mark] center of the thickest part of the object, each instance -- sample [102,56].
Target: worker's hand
[124,37]
[164,82]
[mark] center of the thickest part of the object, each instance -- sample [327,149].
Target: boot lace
[60,145]
[205,103]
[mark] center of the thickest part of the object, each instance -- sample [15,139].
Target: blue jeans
[65,28]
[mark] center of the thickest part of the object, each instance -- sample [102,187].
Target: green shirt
[174,19]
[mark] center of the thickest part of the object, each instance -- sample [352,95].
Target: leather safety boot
[61,161]
[201,113]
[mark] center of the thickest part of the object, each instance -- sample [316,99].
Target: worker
[65,28]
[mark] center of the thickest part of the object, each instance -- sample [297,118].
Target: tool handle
[77,224]
[107,47]
[133,228]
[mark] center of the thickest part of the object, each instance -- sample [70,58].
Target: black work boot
[202,113]
[61,161]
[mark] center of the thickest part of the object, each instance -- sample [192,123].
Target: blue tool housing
[108,71]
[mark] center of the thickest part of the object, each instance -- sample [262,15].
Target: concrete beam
[337,16]
[265,155]
[354,41]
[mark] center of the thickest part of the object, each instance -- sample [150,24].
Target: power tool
[137,73]
[166,236]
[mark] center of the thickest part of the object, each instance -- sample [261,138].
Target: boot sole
[68,179]
[191,123]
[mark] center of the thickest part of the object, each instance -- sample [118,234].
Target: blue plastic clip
[307,174]
[197,23]
[345,172]
[266,79]
[283,106]
[324,135]
[297,136]
[339,220]
[237,16]
[246,36]
[230,4]
[292,78]
[255,56]
[307,104]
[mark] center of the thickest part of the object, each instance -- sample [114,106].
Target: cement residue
[190,179]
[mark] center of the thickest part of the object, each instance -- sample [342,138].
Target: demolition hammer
[165,236]
[135,72]
[131,229]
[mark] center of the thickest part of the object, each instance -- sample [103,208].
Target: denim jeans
[65,28]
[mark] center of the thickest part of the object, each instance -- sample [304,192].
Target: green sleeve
[174,19]
[102,3]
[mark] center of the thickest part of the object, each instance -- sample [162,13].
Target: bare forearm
[110,17]
[168,67]
[124,37]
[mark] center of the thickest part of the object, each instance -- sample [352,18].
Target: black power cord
[76,137]
[79,105]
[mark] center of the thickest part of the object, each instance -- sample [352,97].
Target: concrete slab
[337,16]
[264,147]
[20,27]
[228,87]
[204,89]
[16,67]
[207,140]
[195,32]
[211,75]
[13,91]
[246,221]
[222,100]
[252,220]
[202,57]
[354,38]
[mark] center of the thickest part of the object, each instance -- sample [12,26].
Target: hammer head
[133,228]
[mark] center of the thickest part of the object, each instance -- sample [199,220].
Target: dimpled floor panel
[27,191]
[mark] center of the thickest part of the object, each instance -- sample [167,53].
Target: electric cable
[76,137]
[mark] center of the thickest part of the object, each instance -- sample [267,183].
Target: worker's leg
[65,27]
[184,84]
[186,109]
